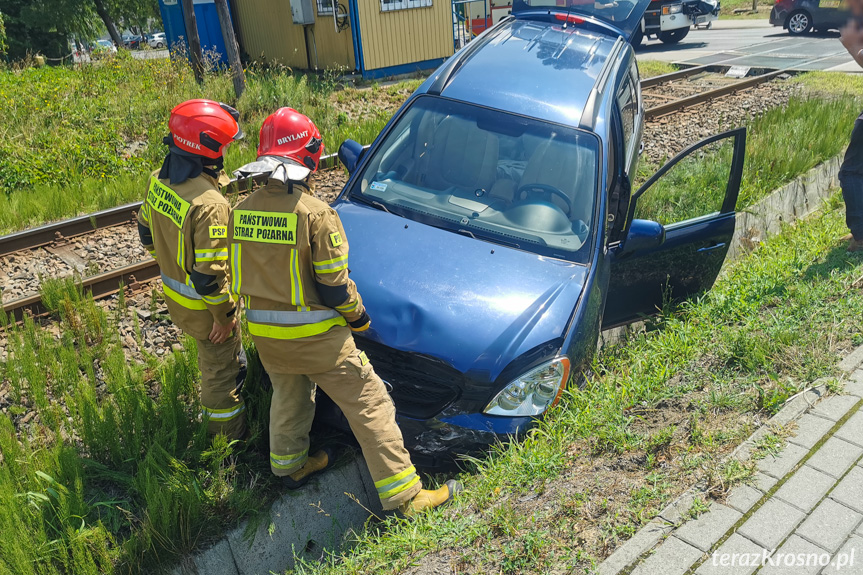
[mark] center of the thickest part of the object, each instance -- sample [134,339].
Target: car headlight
[534,392]
[672,9]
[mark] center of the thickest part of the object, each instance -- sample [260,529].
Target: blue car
[494,231]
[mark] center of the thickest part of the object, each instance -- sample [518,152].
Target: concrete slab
[835,457]
[829,525]
[736,556]
[673,557]
[306,522]
[851,361]
[743,498]
[852,430]
[849,492]
[635,547]
[805,488]
[782,464]
[810,430]
[793,551]
[772,523]
[834,408]
[705,531]
[849,559]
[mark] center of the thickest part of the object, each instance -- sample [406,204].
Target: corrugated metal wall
[405,36]
[267,32]
[334,49]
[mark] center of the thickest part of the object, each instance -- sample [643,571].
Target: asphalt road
[755,44]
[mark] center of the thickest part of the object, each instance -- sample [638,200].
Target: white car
[157,40]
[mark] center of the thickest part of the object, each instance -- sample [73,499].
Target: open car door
[694,197]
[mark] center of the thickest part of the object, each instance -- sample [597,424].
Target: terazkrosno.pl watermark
[840,561]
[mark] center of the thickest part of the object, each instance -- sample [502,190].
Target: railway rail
[53,237]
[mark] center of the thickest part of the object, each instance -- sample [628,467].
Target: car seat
[568,168]
[459,154]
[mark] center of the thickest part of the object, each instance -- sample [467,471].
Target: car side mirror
[643,235]
[350,154]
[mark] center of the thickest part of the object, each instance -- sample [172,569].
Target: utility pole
[194,40]
[237,74]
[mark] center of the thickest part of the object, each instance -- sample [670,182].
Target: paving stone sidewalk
[802,514]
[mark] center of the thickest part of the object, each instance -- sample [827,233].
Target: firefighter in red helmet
[183,223]
[289,263]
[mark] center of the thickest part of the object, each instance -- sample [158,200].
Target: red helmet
[287,134]
[204,127]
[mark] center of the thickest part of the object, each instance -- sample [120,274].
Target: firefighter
[289,263]
[183,223]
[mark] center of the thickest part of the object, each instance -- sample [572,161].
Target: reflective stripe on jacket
[184,226]
[289,262]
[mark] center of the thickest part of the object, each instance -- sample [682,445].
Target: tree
[3,46]
[47,25]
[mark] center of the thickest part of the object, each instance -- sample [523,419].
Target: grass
[606,460]
[781,144]
[651,68]
[81,139]
[107,469]
[729,6]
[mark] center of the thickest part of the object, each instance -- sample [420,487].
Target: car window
[623,14]
[485,173]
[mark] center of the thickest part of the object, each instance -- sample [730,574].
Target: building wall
[334,49]
[267,32]
[400,37]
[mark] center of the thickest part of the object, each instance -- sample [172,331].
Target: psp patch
[218,232]
[364,359]
[336,239]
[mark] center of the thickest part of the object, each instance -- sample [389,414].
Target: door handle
[711,248]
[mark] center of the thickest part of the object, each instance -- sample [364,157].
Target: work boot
[427,499]
[854,245]
[315,464]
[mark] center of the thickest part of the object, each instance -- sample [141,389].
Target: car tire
[673,36]
[799,23]
[637,38]
[160,45]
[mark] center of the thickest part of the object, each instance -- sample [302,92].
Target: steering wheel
[533,189]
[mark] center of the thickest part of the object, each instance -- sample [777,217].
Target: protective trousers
[223,369]
[362,396]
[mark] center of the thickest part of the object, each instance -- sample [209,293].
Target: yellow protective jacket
[184,226]
[289,262]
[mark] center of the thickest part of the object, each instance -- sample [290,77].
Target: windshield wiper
[380,206]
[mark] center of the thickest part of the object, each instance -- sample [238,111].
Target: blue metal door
[209,30]
[694,250]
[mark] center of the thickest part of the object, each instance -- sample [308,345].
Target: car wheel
[159,45]
[637,38]
[673,36]
[799,23]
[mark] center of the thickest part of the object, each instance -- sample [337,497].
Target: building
[376,38]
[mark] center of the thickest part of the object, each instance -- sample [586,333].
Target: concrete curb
[301,524]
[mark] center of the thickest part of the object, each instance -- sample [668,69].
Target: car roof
[542,69]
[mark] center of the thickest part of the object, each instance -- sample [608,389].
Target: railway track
[685,88]
[674,92]
[54,238]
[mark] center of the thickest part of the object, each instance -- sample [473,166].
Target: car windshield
[488,174]
[624,15]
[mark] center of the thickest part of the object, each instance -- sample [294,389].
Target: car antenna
[568,14]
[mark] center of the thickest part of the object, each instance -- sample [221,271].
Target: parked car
[493,225]
[157,40]
[102,47]
[132,41]
[803,16]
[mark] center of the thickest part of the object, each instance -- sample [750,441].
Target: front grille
[422,387]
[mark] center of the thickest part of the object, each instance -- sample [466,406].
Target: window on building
[325,7]
[388,5]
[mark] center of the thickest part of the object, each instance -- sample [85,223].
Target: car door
[694,197]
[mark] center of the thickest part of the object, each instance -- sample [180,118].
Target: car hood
[475,305]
